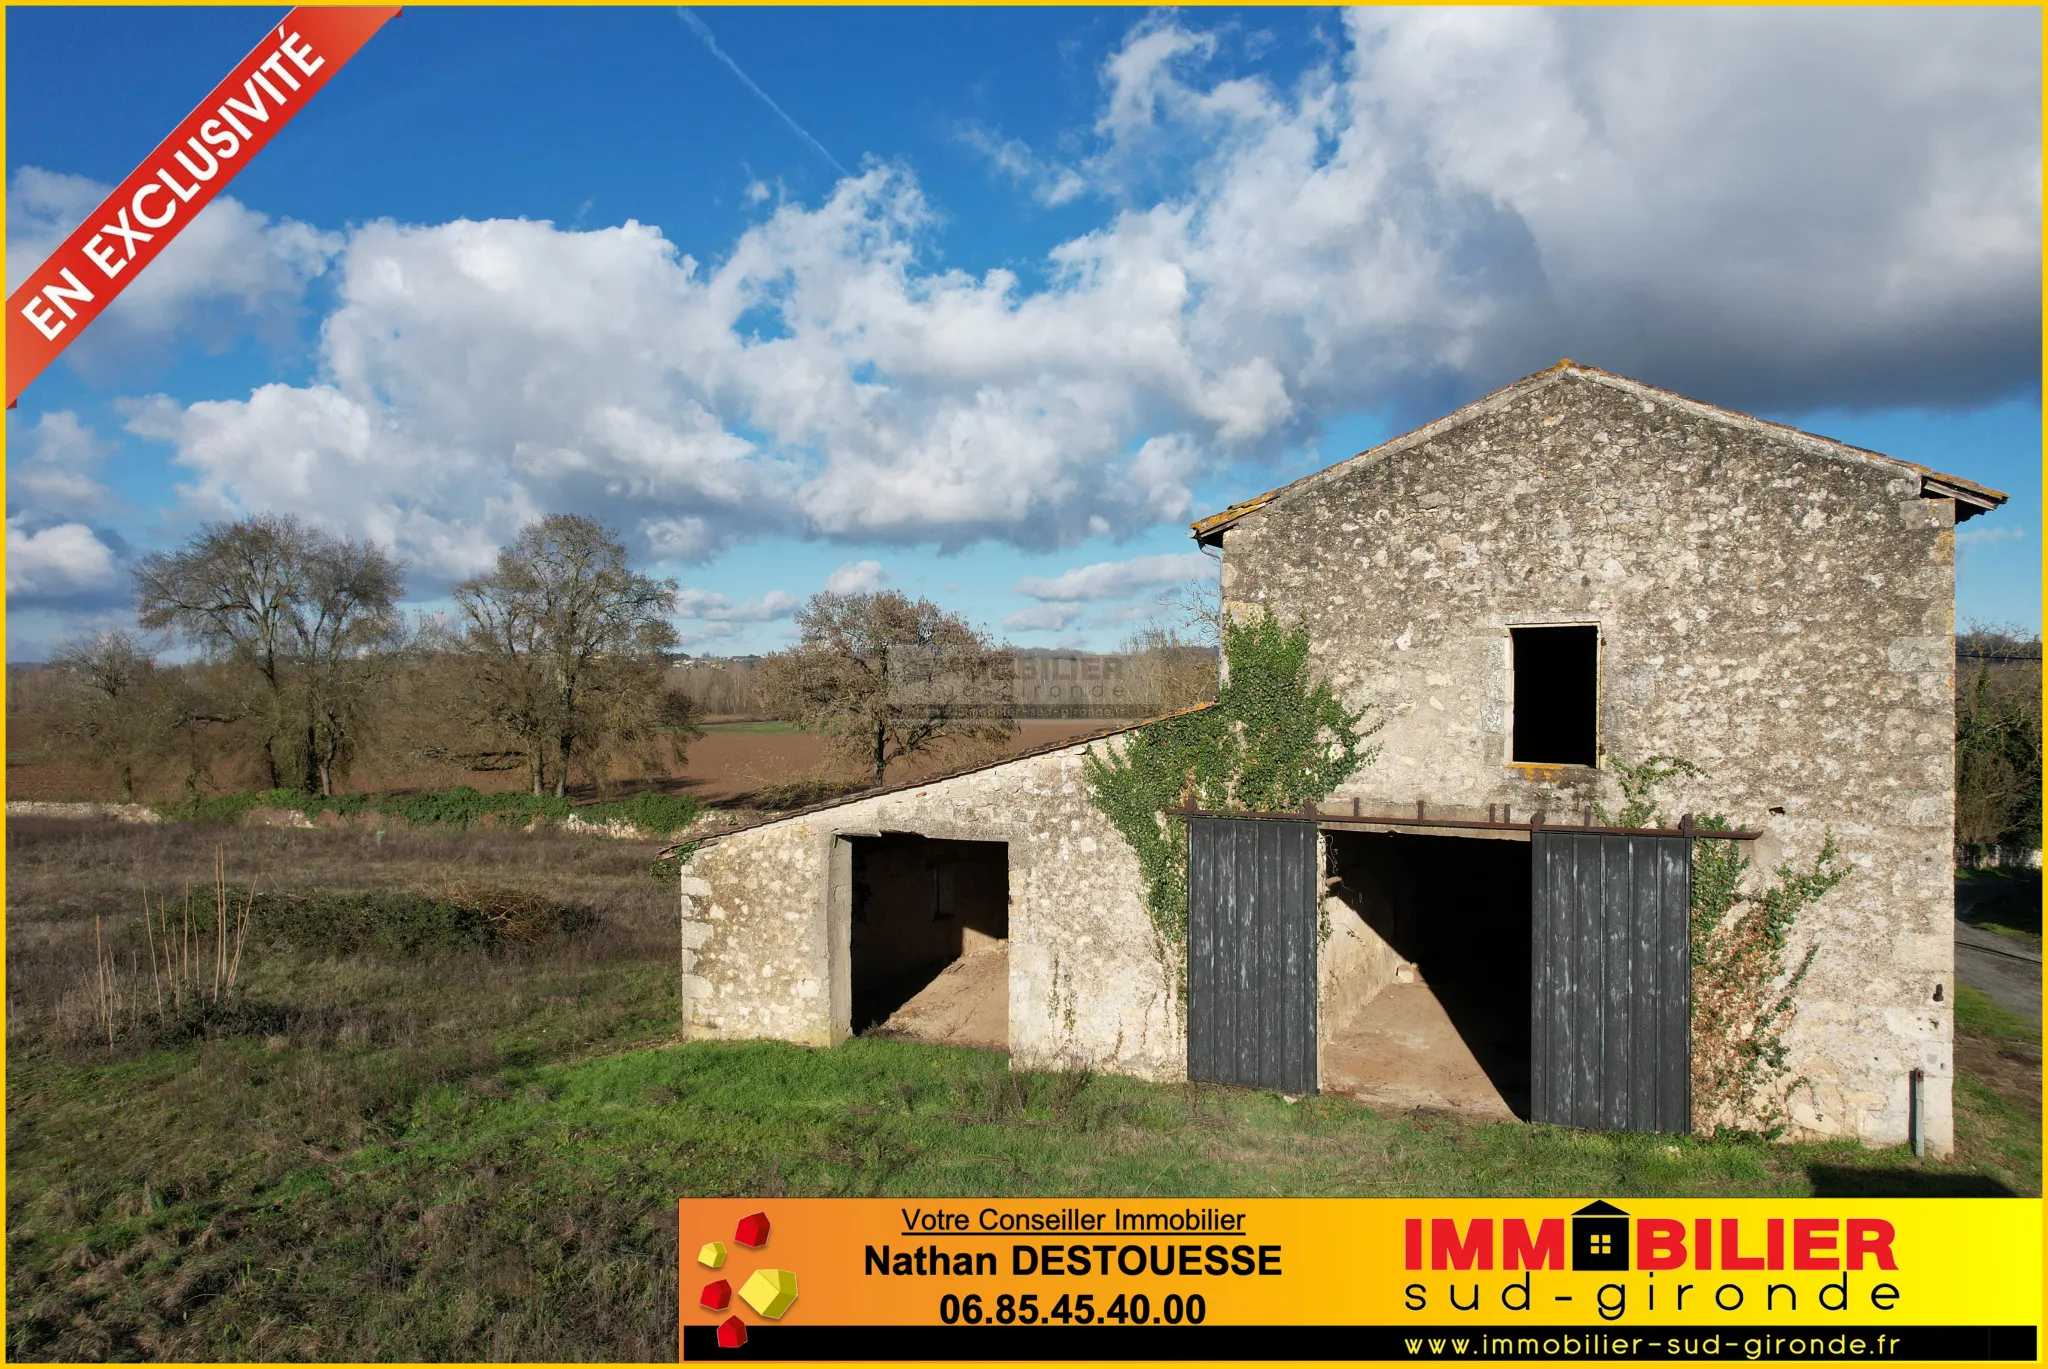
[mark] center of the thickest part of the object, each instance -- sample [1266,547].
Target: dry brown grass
[180,1141]
[63,874]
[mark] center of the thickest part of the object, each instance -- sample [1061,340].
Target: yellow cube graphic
[712,1256]
[770,1291]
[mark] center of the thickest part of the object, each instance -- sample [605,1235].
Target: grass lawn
[476,1156]
[770,725]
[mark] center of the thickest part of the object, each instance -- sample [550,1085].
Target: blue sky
[987,304]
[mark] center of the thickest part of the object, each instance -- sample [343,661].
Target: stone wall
[765,921]
[119,812]
[1773,607]
[1354,964]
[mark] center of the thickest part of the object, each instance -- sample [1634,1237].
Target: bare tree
[561,635]
[645,720]
[1177,656]
[1168,670]
[229,591]
[719,687]
[1192,612]
[887,676]
[343,631]
[299,608]
[208,711]
[114,708]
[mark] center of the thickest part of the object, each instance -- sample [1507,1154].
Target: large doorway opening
[1426,975]
[929,939]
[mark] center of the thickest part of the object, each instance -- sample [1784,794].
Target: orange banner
[176,181]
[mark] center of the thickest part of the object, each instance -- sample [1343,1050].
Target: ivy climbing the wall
[1276,738]
[1742,988]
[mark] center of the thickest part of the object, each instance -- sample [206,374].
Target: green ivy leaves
[1276,738]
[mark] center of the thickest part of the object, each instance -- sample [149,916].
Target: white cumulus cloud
[1116,579]
[53,464]
[1761,207]
[230,272]
[713,607]
[1043,618]
[856,577]
[56,561]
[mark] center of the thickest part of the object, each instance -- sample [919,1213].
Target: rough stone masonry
[764,911]
[1776,607]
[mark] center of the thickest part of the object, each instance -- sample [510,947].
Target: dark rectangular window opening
[1557,695]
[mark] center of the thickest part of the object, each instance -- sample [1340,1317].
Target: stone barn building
[1574,572]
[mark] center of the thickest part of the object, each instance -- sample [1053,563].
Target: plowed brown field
[725,766]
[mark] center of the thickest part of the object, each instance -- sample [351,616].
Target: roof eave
[1971,498]
[1208,532]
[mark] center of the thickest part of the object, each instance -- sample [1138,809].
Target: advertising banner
[1359,1279]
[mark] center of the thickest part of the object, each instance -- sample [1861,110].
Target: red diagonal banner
[176,181]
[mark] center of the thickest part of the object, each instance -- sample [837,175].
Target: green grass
[488,1209]
[1979,1013]
[892,1118]
[776,725]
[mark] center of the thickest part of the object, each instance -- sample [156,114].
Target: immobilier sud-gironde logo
[1604,1239]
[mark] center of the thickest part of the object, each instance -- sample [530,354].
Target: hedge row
[655,814]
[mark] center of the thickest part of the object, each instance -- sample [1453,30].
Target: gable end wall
[1780,615]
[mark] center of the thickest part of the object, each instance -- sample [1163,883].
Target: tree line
[556,663]
[1998,739]
[552,663]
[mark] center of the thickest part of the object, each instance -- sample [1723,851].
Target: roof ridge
[1217,522]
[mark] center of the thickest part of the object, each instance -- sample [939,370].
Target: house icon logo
[1600,1238]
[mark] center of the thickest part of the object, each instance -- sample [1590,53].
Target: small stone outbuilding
[1574,572]
[826,922]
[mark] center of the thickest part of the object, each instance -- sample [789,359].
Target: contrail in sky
[703,32]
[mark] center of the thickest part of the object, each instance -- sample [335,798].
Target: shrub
[211,1019]
[656,814]
[407,924]
[215,808]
